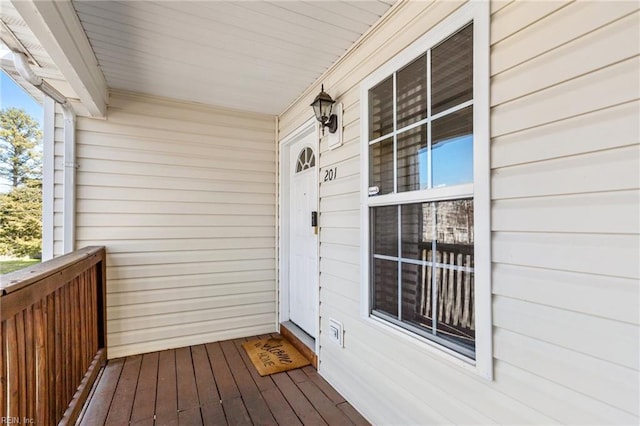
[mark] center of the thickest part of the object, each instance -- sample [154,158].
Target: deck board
[190,417]
[167,395]
[351,412]
[280,409]
[97,411]
[302,407]
[122,403]
[297,375]
[263,382]
[212,384]
[328,390]
[187,389]
[253,400]
[144,403]
[209,398]
[329,412]
[234,409]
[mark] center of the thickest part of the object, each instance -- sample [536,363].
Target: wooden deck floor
[212,384]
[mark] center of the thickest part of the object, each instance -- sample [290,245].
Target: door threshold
[300,340]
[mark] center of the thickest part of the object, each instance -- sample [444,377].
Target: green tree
[19,136]
[21,220]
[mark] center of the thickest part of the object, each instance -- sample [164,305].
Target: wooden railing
[52,331]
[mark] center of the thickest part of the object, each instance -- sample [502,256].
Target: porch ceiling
[247,55]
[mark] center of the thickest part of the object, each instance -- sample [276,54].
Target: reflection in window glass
[452,148]
[415,295]
[436,266]
[381,109]
[410,163]
[453,277]
[384,231]
[381,166]
[452,71]
[417,231]
[411,92]
[385,286]
[454,225]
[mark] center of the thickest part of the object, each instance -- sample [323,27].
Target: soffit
[247,55]
[39,60]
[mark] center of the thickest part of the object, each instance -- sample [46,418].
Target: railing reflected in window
[431,267]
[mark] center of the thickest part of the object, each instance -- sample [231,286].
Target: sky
[12,95]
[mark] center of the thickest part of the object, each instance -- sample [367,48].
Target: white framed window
[425,194]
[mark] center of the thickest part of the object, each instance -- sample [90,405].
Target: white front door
[303,244]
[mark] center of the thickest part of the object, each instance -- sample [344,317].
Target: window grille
[421,201]
[306,160]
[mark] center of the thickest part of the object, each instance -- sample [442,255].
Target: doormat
[274,355]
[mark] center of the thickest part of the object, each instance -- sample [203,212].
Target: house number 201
[330,174]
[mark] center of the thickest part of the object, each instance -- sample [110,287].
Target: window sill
[424,344]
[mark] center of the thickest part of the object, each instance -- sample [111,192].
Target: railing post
[101,300]
[3,369]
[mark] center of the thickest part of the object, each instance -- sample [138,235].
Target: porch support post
[69,209]
[48,177]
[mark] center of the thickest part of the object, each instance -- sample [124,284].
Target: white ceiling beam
[57,27]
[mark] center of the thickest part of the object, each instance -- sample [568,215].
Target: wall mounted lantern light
[322,106]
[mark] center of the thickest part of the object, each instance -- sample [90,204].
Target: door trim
[306,129]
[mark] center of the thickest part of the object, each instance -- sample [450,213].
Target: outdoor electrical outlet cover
[336,332]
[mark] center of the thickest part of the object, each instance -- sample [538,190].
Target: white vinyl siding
[183,198]
[565,232]
[58,183]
